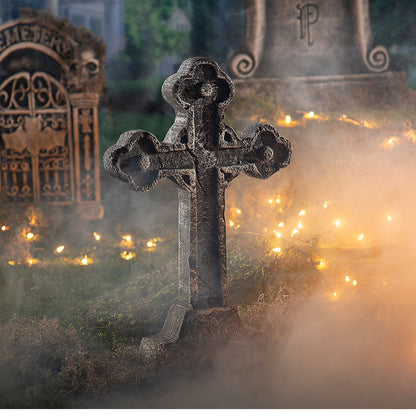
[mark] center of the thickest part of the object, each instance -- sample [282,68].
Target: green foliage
[112,124]
[149,35]
[217,28]
[393,21]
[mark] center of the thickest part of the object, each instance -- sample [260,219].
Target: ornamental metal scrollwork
[36,154]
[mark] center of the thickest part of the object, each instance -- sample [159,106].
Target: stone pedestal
[335,94]
[208,327]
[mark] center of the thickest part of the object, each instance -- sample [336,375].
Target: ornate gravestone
[51,76]
[201,155]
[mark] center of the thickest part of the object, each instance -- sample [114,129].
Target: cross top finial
[198,81]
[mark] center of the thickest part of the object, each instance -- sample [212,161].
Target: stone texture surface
[384,91]
[307,38]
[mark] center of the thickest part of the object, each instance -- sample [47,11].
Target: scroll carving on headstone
[201,155]
[244,63]
[51,80]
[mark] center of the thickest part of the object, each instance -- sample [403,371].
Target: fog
[350,341]
[345,345]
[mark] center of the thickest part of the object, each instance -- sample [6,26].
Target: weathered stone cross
[201,155]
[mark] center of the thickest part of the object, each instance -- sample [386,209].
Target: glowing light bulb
[302,212]
[288,119]
[278,235]
[277,250]
[60,249]
[325,204]
[311,114]
[34,220]
[337,223]
[85,261]
[127,255]
[300,224]
[278,200]
[389,217]
[11,262]
[335,294]
[354,283]
[389,143]
[238,211]
[321,264]
[281,224]
[29,235]
[360,237]
[97,236]
[5,228]
[347,278]
[270,201]
[294,232]
[231,223]
[127,238]
[151,244]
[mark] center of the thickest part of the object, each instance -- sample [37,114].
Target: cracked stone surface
[201,155]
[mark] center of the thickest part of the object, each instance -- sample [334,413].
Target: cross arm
[269,152]
[139,159]
[259,152]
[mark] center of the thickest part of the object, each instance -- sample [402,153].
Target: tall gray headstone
[301,55]
[307,38]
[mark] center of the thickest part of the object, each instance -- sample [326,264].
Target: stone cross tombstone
[201,155]
[51,76]
[307,38]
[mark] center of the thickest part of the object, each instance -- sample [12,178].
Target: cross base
[214,325]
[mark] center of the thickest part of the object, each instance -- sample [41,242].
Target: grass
[69,329]
[112,300]
[59,286]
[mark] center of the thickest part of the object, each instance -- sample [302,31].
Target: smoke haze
[353,350]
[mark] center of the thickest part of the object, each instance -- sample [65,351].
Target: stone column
[86,154]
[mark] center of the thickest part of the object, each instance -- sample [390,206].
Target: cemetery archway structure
[51,77]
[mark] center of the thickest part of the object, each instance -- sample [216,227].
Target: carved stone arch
[33,47]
